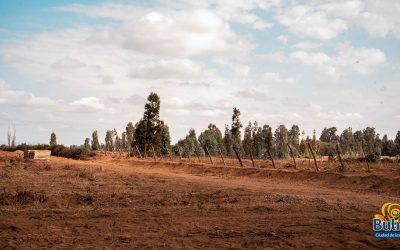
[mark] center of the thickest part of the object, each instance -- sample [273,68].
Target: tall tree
[346,141]
[294,139]
[147,128]
[162,138]
[235,129]
[53,139]
[397,142]
[329,135]
[211,138]
[281,141]
[95,140]
[190,145]
[123,142]
[248,139]
[86,144]
[228,141]
[109,140]
[130,129]
[388,147]
[358,139]
[372,144]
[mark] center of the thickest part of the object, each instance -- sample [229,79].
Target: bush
[77,153]
[373,157]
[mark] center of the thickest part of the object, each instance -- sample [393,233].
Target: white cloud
[307,21]
[361,60]
[195,33]
[272,76]
[378,18]
[348,59]
[307,46]
[177,68]
[105,10]
[334,117]
[68,63]
[242,70]
[252,94]
[283,39]
[231,11]
[89,102]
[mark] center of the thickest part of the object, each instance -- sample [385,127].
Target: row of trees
[260,140]
[151,133]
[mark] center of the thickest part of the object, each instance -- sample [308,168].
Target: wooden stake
[313,155]
[137,149]
[272,159]
[340,157]
[238,157]
[154,153]
[291,153]
[169,154]
[251,156]
[180,154]
[209,155]
[365,157]
[220,153]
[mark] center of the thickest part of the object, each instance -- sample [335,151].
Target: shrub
[77,153]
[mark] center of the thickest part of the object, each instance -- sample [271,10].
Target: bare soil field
[117,202]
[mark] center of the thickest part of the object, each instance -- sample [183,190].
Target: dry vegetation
[118,202]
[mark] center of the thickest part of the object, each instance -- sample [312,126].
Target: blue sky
[75,66]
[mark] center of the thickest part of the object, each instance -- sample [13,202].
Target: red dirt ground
[114,202]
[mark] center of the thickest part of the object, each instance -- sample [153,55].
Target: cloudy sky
[75,67]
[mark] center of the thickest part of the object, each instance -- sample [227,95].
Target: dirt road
[127,203]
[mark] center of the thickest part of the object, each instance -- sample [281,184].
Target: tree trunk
[365,157]
[209,155]
[291,152]
[251,156]
[272,159]
[169,154]
[340,158]
[180,154]
[138,151]
[145,151]
[220,153]
[154,153]
[313,155]
[238,156]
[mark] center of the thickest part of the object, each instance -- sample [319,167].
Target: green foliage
[248,139]
[150,130]
[77,153]
[294,141]
[211,138]
[109,141]
[281,141]
[329,135]
[95,140]
[163,139]
[388,147]
[346,141]
[130,130]
[397,142]
[235,128]
[327,149]
[86,144]
[228,142]
[190,145]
